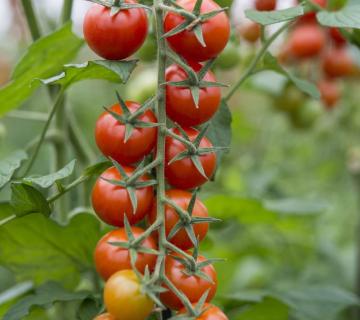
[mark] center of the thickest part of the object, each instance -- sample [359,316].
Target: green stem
[31,19]
[72,185]
[66,11]
[256,60]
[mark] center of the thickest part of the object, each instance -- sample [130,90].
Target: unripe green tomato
[143,86]
[147,52]
[306,116]
[229,58]
[290,100]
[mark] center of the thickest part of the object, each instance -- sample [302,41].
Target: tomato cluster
[127,133]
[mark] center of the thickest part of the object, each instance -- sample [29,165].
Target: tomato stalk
[31,19]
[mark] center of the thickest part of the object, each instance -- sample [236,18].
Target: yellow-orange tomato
[124,298]
[105,316]
[211,312]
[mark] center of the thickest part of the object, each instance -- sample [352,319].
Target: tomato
[115,37]
[265,5]
[290,99]
[229,58]
[111,202]
[182,199]
[250,31]
[191,285]
[183,174]
[180,106]
[337,63]
[124,299]
[306,41]
[105,316]
[216,32]
[211,312]
[306,116]
[110,259]
[110,135]
[310,17]
[330,93]
[337,37]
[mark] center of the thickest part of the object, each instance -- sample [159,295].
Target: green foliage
[271,17]
[9,165]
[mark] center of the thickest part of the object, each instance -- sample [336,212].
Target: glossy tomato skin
[105,316]
[182,199]
[180,106]
[306,41]
[211,313]
[337,63]
[115,37]
[250,31]
[265,5]
[110,134]
[192,286]
[110,259]
[124,299]
[330,93]
[216,32]
[183,174]
[111,202]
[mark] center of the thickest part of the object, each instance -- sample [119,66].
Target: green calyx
[116,6]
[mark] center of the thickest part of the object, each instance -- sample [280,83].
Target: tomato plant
[209,312]
[337,63]
[265,5]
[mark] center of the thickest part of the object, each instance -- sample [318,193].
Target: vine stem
[31,19]
[249,71]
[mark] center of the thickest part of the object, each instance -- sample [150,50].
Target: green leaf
[88,309]
[9,165]
[6,210]
[48,180]
[296,206]
[270,63]
[26,199]
[219,131]
[270,17]
[43,297]
[63,252]
[114,71]
[97,168]
[347,17]
[44,58]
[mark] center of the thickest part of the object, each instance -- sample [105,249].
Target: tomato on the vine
[190,285]
[306,41]
[216,32]
[229,58]
[180,105]
[265,5]
[290,100]
[105,316]
[115,37]
[337,37]
[110,259]
[182,199]
[250,31]
[183,173]
[110,135]
[111,202]
[124,299]
[210,312]
[310,17]
[330,92]
[337,63]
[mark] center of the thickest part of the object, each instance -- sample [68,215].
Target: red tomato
[182,199]
[250,31]
[180,106]
[105,316]
[110,259]
[115,37]
[311,16]
[337,63]
[337,37]
[110,134]
[216,32]
[330,93]
[211,312]
[183,174]
[111,202]
[192,286]
[265,5]
[306,41]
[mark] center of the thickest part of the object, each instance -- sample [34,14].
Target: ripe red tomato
[183,174]
[124,298]
[180,106]
[110,259]
[182,199]
[265,5]
[115,37]
[306,41]
[337,38]
[337,63]
[216,32]
[310,17]
[105,316]
[110,134]
[330,93]
[211,312]
[111,202]
[250,31]
[192,286]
